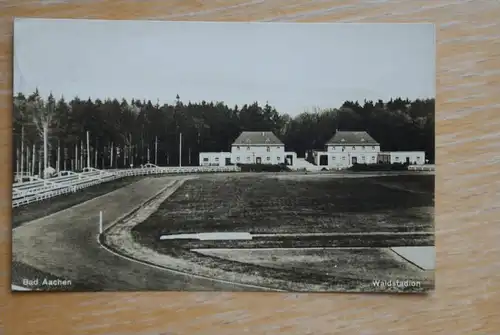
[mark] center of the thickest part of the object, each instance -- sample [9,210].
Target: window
[248,158]
[343,158]
[362,158]
[373,158]
[238,158]
[205,159]
[373,148]
[268,158]
[216,159]
[268,149]
[248,147]
[397,158]
[278,147]
[238,147]
[278,159]
[353,148]
[418,158]
[333,158]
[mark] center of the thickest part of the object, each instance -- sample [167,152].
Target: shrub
[263,167]
[379,167]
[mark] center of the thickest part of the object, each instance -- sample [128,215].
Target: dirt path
[65,245]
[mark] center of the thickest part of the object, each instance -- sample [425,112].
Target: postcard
[204,156]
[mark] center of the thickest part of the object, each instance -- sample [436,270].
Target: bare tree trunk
[189,150]
[156,150]
[76,157]
[180,149]
[148,154]
[111,158]
[40,164]
[28,156]
[88,149]
[65,161]
[58,155]
[17,161]
[81,155]
[22,149]
[72,164]
[132,153]
[33,161]
[168,159]
[102,158]
[95,156]
[117,156]
[142,146]
[125,156]
[45,146]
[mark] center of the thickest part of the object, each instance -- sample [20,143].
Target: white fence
[37,189]
[148,170]
[427,167]
[65,182]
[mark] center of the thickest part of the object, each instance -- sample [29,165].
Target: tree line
[53,132]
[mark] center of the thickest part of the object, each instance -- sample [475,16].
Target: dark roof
[257,138]
[351,138]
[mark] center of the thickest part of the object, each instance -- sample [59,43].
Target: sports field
[335,211]
[274,205]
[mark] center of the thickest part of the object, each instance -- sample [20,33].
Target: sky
[292,66]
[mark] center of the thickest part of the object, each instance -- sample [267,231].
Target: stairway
[302,164]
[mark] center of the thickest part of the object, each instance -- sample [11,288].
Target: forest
[49,131]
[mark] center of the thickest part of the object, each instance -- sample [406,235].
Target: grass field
[271,205]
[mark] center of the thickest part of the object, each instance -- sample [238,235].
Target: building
[347,148]
[403,157]
[215,158]
[251,147]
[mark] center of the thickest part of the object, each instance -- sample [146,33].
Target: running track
[65,245]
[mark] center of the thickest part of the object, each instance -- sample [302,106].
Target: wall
[214,158]
[294,157]
[415,157]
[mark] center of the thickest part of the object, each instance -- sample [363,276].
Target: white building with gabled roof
[252,147]
[347,148]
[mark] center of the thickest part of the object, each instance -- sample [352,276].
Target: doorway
[354,160]
[258,160]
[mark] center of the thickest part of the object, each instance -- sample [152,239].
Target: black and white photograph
[223,156]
